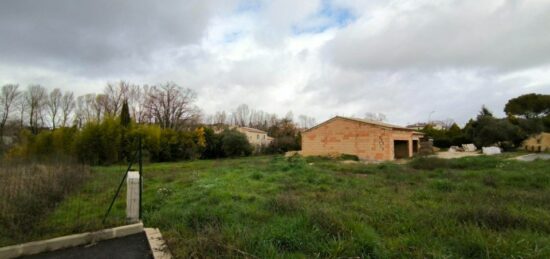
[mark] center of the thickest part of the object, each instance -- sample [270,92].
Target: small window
[257,136]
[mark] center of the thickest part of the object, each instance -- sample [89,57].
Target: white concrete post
[132,197]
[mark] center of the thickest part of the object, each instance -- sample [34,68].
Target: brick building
[369,140]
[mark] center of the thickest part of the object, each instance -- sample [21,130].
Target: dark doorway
[401,149]
[415,146]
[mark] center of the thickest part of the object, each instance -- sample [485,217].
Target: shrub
[283,144]
[213,143]
[150,141]
[235,144]
[100,143]
[349,157]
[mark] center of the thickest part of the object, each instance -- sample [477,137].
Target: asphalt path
[132,247]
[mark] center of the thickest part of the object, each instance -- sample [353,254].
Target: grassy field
[272,207]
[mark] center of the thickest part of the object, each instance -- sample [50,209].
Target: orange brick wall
[341,136]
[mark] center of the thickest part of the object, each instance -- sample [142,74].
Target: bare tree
[241,115]
[289,116]
[67,106]
[375,116]
[100,106]
[220,118]
[116,94]
[137,96]
[36,99]
[54,105]
[85,109]
[171,106]
[8,96]
[22,106]
[306,122]
[80,113]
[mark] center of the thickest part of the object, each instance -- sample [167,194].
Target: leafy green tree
[487,130]
[529,106]
[439,136]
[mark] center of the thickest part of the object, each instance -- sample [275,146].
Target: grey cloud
[434,57]
[459,34]
[99,37]
[410,96]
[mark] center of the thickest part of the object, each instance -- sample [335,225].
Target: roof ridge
[373,122]
[380,123]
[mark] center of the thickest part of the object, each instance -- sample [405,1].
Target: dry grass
[30,190]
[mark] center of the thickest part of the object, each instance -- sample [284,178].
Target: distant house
[538,143]
[417,126]
[421,125]
[256,137]
[367,139]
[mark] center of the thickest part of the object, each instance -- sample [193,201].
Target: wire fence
[45,199]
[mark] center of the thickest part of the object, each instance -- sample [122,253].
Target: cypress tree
[125,114]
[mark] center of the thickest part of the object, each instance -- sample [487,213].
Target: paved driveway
[132,247]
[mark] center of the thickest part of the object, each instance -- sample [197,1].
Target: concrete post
[132,197]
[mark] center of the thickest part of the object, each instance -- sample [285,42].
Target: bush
[100,143]
[108,142]
[349,157]
[235,144]
[213,143]
[442,142]
[283,144]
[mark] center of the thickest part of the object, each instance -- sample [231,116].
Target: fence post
[132,197]
[140,178]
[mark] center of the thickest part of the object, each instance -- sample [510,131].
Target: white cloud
[401,58]
[500,35]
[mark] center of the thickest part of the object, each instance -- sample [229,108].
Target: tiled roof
[252,130]
[378,123]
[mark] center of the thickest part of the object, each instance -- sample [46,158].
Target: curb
[69,241]
[157,244]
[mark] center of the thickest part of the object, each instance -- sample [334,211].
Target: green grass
[272,207]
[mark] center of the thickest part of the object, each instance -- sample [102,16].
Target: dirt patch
[533,157]
[451,155]
[350,162]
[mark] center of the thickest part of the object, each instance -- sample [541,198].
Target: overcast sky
[320,58]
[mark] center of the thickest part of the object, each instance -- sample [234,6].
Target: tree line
[102,128]
[525,115]
[167,105]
